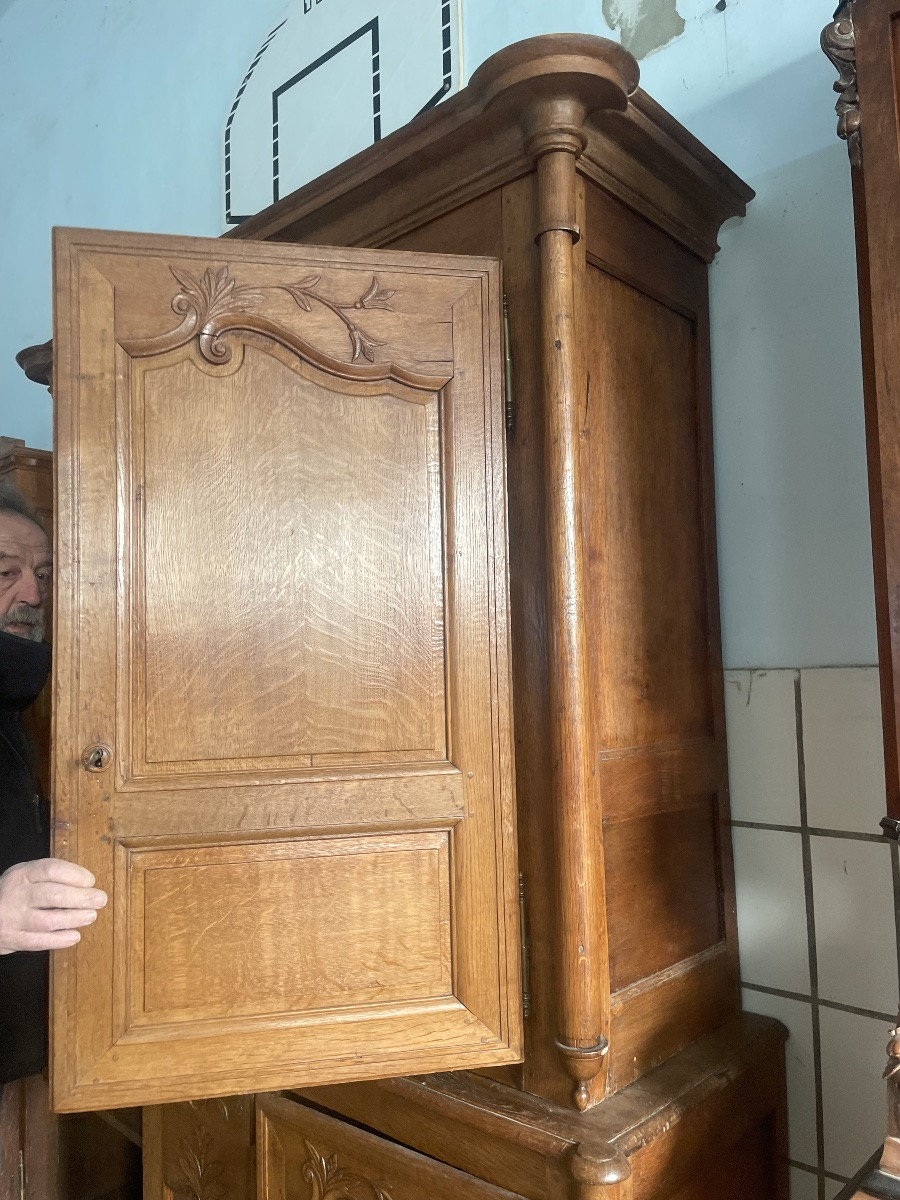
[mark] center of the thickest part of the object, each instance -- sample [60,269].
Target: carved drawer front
[304,1155]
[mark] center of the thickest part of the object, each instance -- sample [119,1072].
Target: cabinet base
[710,1122]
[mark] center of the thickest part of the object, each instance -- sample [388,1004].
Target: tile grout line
[802,1166]
[847,835]
[871,1013]
[806,852]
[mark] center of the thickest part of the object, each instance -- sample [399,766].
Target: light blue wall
[111,116]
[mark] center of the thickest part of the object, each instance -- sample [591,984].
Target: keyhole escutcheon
[97,757]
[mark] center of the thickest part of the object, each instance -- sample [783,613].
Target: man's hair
[12,501]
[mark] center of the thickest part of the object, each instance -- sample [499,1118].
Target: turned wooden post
[554,110]
[581,884]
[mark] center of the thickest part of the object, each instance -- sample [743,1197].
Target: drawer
[304,1155]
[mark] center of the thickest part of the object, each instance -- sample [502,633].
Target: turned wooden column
[552,112]
[583,998]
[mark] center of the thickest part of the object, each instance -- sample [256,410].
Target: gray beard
[24,614]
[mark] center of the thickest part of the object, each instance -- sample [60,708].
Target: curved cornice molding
[574,92]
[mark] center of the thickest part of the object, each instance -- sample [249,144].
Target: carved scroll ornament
[214,304]
[839,44]
[328,1181]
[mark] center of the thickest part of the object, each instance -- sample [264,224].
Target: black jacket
[24,835]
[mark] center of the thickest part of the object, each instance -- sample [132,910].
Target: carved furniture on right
[863,42]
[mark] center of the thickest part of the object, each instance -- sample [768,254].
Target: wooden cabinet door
[282,725]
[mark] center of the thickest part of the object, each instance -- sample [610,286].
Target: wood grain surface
[282,604]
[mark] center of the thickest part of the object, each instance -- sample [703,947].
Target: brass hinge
[509,411]
[526,966]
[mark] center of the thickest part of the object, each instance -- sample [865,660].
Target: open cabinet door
[282,692]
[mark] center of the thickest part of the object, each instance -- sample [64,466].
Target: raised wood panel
[701,990]
[638,783]
[646,573]
[663,899]
[282,605]
[351,528]
[309,924]
[305,1155]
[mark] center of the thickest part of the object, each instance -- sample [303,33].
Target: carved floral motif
[213,303]
[839,44]
[331,1182]
[200,1178]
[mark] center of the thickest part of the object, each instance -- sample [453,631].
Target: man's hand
[44,903]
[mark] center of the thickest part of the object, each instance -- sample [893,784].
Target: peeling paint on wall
[644,25]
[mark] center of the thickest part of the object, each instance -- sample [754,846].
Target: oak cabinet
[604,213]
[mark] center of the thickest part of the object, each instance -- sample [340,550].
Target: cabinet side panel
[642,521]
[652,591]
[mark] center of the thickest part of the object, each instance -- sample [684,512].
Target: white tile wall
[853,1093]
[801,1072]
[771,909]
[839,772]
[855,926]
[762,746]
[842,742]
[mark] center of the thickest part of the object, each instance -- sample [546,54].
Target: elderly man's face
[25,568]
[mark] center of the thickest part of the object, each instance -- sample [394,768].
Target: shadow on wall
[644,25]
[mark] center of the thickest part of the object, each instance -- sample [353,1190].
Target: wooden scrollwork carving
[209,305]
[839,44]
[328,1181]
[214,305]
